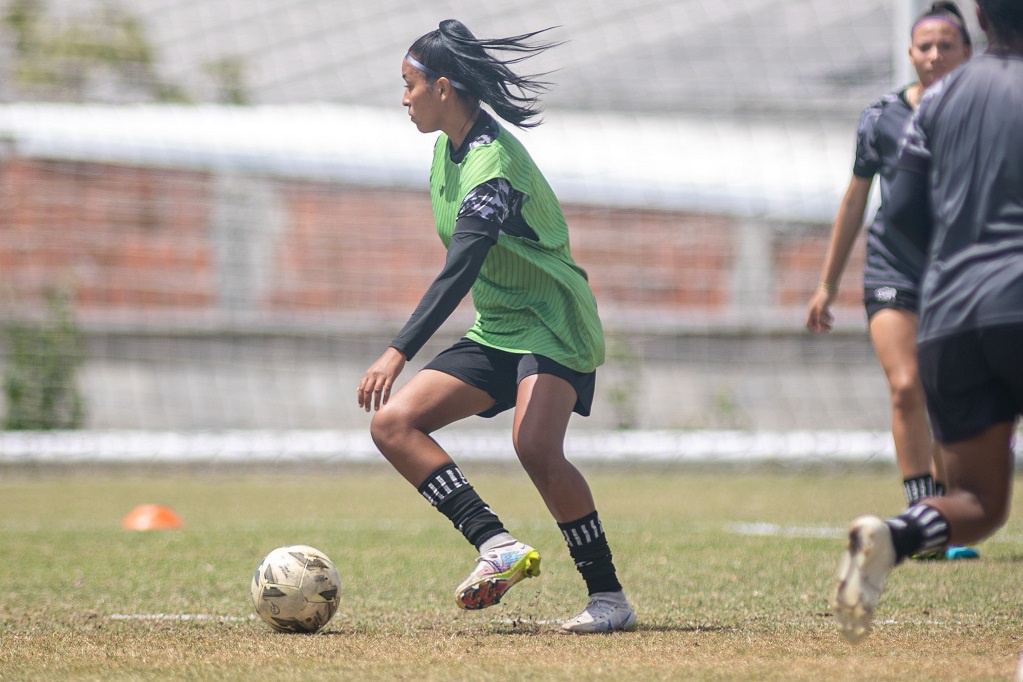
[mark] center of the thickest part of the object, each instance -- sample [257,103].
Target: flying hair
[452,51]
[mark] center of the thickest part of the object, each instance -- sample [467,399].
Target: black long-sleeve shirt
[469,246]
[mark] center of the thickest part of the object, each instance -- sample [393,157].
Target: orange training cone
[151,517]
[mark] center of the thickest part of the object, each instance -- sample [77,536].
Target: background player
[962,168]
[537,340]
[939,42]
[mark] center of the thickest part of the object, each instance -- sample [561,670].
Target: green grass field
[729,570]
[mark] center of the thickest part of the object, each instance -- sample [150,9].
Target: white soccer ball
[296,589]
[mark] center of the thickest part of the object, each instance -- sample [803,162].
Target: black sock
[589,549]
[919,488]
[449,491]
[919,530]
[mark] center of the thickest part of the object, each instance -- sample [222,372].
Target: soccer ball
[296,589]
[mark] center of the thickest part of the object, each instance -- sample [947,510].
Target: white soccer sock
[498,540]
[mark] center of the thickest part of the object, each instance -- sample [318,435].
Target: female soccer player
[959,187]
[891,279]
[537,339]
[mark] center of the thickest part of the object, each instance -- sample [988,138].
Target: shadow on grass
[533,628]
[514,627]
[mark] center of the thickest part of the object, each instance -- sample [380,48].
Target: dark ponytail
[454,52]
[950,12]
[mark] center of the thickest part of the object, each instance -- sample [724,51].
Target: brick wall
[140,239]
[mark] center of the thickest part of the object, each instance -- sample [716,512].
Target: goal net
[214,216]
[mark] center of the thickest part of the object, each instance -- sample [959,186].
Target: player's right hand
[375,387]
[818,315]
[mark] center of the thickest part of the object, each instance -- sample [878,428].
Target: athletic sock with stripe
[449,491]
[921,529]
[919,488]
[589,549]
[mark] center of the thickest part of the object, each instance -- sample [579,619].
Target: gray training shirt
[967,136]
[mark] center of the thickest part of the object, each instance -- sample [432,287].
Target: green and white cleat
[495,572]
[869,558]
[605,612]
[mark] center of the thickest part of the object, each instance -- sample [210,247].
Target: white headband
[433,74]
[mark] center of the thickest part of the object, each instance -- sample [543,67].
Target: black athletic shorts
[879,298]
[973,380]
[499,372]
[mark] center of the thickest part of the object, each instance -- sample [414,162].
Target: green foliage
[66,62]
[624,384]
[40,377]
[228,75]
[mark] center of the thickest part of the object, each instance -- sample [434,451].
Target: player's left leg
[542,412]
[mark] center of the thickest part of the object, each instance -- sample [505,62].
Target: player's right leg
[975,507]
[401,428]
[868,559]
[430,400]
[503,562]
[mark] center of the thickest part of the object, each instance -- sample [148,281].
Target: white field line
[777,530]
[180,617]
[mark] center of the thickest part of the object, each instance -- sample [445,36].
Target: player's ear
[443,86]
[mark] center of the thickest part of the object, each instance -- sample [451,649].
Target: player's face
[936,49]
[420,99]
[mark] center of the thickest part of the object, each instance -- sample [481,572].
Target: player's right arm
[468,249]
[846,227]
[483,211]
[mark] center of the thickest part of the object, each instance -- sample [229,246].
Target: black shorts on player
[973,380]
[499,372]
[876,299]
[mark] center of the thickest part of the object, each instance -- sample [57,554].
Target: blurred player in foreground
[959,188]
[537,339]
[939,42]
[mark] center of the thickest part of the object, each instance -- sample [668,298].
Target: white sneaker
[605,612]
[495,572]
[869,558]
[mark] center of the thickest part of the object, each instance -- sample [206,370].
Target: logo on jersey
[885,294]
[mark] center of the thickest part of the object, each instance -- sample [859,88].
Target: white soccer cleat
[495,572]
[605,612]
[869,558]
